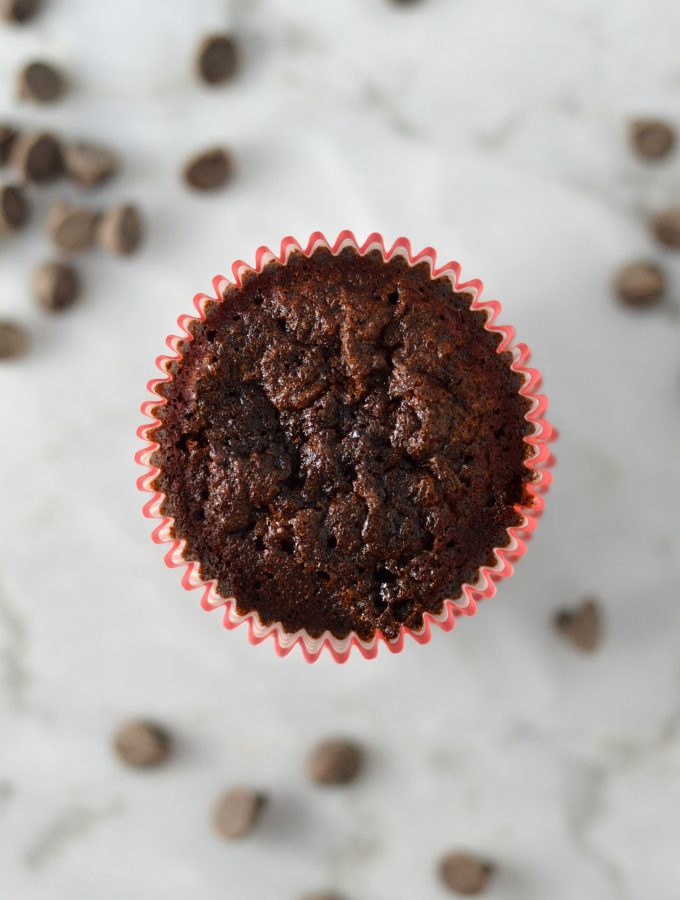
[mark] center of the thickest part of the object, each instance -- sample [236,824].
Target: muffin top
[342,445]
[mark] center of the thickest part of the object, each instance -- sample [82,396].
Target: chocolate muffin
[342,445]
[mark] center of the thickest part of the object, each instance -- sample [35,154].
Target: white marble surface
[494,131]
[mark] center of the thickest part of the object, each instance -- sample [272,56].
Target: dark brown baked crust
[342,447]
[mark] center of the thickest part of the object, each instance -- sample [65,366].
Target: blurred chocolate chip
[640,284]
[37,157]
[8,136]
[335,761]
[41,82]
[651,138]
[14,208]
[71,228]
[209,170]
[120,230]
[322,895]
[217,58]
[142,744]
[666,227]
[56,286]
[464,873]
[89,165]
[19,10]
[582,626]
[404,2]
[13,340]
[237,812]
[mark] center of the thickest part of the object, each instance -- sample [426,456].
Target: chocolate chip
[37,157]
[141,744]
[56,286]
[237,812]
[335,761]
[41,82]
[322,895]
[120,230]
[640,284]
[8,136]
[404,2]
[209,170]
[19,10]
[13,340]
[14,208]
[582,626]
[666,227]
[217,58]
[464,873]
[651,138]
[71,228]
[89,165]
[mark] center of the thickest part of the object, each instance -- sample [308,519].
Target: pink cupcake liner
[483,587]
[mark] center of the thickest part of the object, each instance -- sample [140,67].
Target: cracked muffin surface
[342,446]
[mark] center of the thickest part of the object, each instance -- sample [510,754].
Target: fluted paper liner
[484,585]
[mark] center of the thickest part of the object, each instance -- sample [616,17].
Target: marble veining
[496,133]
[74,823]
[12,654]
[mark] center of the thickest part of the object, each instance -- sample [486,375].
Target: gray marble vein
[495,132]
[13,648]
[584,802]
[69,827]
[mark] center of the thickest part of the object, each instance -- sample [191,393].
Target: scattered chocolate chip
[89,165]
[237,811]
[56,286]
[582,626]
[666,227]
[141,744]
[640,284]
[19,11]
[71,228]
[37,157]
[651,138]
[13,340]
[464,873]
[209,170]
[335,761]
[120,230]
[41,82]
[217,58]
[14,208]
[8,136]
